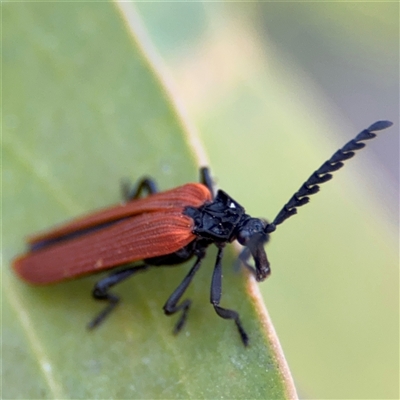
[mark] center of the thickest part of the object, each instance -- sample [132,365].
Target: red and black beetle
[167,228]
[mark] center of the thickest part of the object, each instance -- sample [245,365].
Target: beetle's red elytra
[139,229]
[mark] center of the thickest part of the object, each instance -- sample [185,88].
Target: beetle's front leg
[215,298]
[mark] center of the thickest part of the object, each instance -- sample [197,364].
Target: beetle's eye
[257,227]
[252,227]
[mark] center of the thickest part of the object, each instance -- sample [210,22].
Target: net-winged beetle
[167,228]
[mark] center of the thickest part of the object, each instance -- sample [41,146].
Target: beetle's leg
[215,298]
[100,291]
[205,179]
[130,193]
[172,306]
[262,269]
[243,259]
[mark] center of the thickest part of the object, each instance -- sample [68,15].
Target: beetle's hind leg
[130,192]
[172,306]
[101,291]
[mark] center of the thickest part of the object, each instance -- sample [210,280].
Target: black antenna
[323,173]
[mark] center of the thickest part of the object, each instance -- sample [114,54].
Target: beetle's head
[253,233]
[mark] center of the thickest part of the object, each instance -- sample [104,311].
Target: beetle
[164,229]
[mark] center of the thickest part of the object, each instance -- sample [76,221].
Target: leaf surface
[83,108]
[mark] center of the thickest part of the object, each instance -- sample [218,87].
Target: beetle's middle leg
[172,306]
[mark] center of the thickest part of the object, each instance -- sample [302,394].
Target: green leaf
[82,108]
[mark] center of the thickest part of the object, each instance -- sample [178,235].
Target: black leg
[172,306]
[243,258]
[130,193]
[215,298]
[205,179]
[100,291]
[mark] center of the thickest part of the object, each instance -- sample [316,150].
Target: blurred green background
[274,89]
